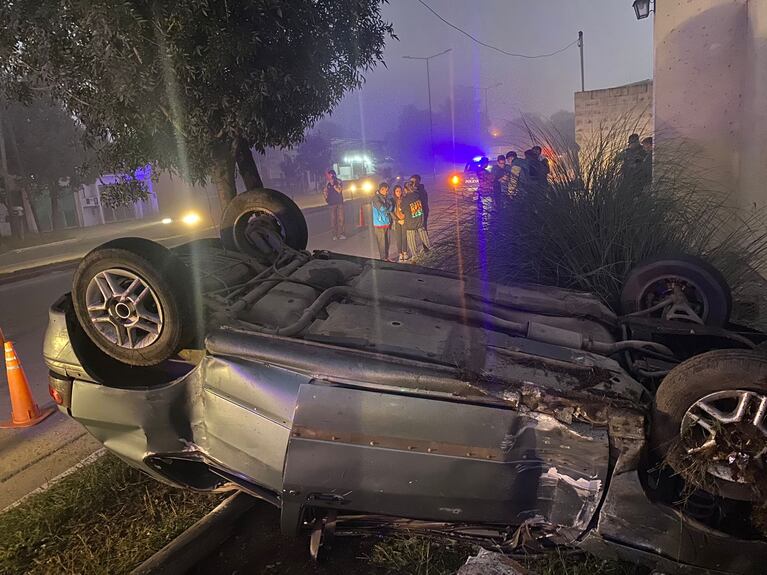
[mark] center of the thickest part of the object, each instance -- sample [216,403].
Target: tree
[314,154]
[190,86]
[291,172]
[44,145]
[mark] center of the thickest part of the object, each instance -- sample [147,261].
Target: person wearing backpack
[381,208]
[413,208]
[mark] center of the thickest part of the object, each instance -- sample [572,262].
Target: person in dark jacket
[381,209]
[484,178]
[398,223]
[515,166]
[413,208]
[500,180]
[543,166]
[421,189]
[334,196]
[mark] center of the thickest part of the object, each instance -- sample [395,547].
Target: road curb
[200,540]
[50,483]
[27,273]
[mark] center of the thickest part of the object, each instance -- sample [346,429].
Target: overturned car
[360,395]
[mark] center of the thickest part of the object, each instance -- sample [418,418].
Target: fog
[618,50]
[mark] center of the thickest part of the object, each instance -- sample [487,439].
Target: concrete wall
[711,89]
[622,108]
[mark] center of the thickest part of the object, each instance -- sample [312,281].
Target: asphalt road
[25,455]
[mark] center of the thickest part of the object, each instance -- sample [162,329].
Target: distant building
[598,111]
[354,159]
[92,211]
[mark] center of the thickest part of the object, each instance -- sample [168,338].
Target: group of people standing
[636,160]
[401,218]
[512,173]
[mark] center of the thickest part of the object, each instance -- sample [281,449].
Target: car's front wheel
[131,297]
[710,423]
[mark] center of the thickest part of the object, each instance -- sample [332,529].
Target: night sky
[618,50]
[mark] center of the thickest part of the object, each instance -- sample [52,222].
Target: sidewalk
[72,249]
[65,246]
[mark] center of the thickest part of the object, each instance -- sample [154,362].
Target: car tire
[131,297]
[713,379]
[709,286]
[281,214]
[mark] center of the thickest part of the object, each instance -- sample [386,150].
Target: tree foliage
[314,154]
[44,145]
[125,190]
[190,85]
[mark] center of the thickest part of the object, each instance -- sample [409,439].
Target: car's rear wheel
[258,222]
[677,288]
[131,296]
[710,423]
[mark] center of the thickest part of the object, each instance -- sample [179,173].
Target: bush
[593,223]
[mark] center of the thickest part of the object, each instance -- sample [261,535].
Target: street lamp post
[580,47]
[642,8]
[428,87]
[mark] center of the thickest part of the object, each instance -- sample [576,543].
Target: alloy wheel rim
[729,428]
[124,309]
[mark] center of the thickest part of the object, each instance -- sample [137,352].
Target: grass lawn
[107,518]
[104,518]
[418,555]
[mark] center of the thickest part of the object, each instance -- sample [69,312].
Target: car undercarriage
[358,395]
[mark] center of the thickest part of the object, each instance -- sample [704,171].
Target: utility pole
[431,119]
[580,45]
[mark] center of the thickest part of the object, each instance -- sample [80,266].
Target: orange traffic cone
[24,410]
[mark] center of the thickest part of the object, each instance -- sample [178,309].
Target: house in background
[92,211]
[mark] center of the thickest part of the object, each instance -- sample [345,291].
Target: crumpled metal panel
[248,409]
[628,518]
[634,528]
[133,423]
[438,460]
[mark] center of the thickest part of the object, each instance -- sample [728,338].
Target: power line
[481,43]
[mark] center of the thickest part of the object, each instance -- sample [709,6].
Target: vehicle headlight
[191,218]
[367,187]
[455,180]
[166,221]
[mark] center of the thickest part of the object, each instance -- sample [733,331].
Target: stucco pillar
[753,168]
[701,60]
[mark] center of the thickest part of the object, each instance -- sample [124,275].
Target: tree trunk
[223,174]
[57,215]
[33,221]
[247,166]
